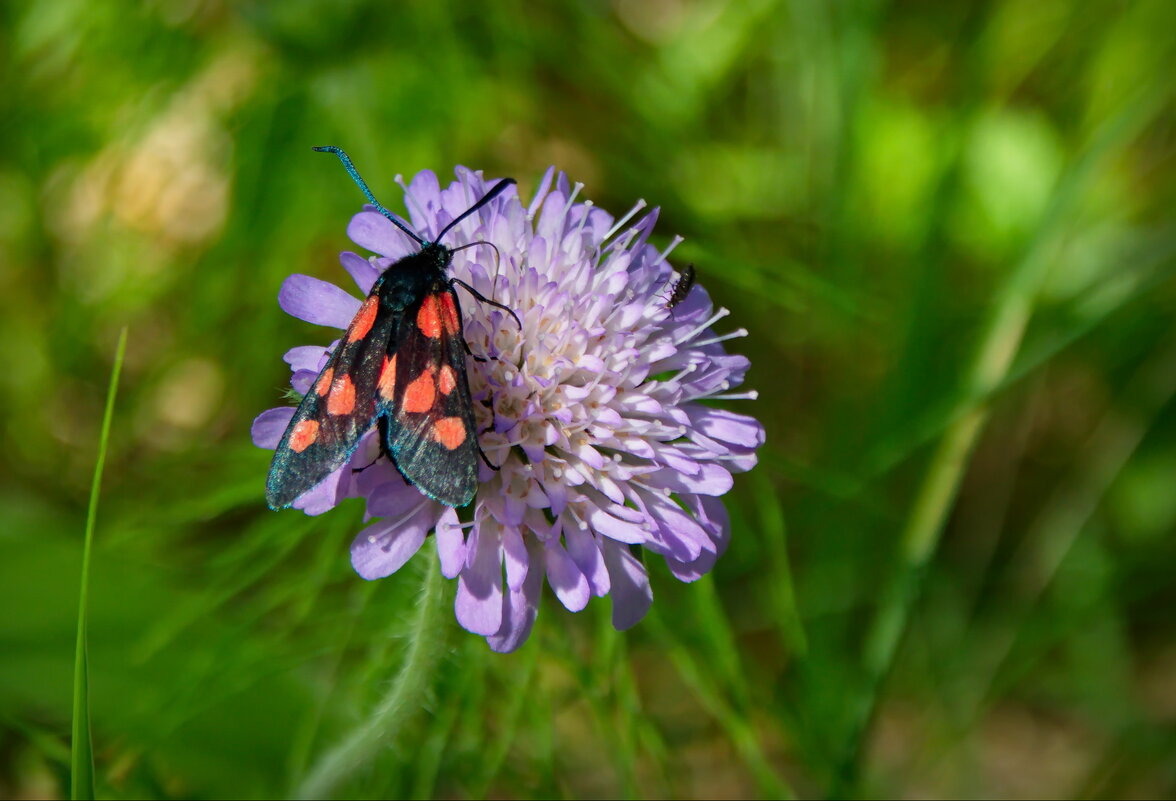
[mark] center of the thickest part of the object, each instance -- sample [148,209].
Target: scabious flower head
[596,411]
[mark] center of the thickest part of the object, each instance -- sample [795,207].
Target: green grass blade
[775,538]
[82,749]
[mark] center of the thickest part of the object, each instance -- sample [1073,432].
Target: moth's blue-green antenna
[354,173]
[486,198]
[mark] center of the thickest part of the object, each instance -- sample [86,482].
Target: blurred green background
[949,227]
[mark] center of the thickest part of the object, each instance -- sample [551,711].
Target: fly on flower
[400,367]
[681,287]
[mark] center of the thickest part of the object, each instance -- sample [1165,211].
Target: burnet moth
[401,366]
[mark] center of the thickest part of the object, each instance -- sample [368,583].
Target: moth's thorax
[417,274]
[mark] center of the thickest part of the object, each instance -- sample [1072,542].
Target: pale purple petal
[396,498]
[423,200]
[583,548]
[713,515]
[712,519]
[729,427]
[627,531]
[631,593]
[513,510]
[364,457]
[317,301]
[541,192]
[520,607]
[713,479]
[458,197]
[375,232]
[565,578]
[720,374]
[479,587]
[269,426]
[741,462]
[306,357]
[551,220]
[557,494]
[360,269]
[677,525]
[514,552]
[325,495]
[674,459]
[382,548]
[378,473]
[689,572]
[451,544]
[692,571]
[302,380]
[645,227]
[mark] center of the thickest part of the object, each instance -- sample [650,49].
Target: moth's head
[436,254]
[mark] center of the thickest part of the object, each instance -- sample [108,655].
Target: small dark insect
[401,366]
[681,287]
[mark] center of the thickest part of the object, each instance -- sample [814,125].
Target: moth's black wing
[338,409]
[430,429]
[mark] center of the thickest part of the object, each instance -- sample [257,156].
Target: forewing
[338,409]
[426,396]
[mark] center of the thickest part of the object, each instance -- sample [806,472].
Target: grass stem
[81,767]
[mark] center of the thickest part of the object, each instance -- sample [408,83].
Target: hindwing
[424,394]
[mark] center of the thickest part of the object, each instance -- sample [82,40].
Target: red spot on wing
[449,319]
[324,383]
[429,317]
[420,393]
[386,386]
[363,319]
[342,397]
[449,431]
[303,435]
[446,380]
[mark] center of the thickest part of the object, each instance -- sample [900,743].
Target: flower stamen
[751,394]
[619,224]
[736,334]
[722,312]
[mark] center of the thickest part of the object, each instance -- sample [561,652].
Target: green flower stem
[410,686]
[81,767]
